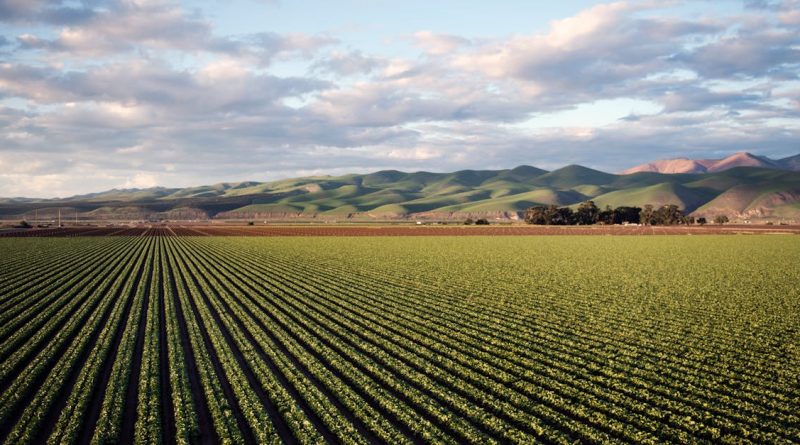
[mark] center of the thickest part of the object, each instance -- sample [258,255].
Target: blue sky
[100,94]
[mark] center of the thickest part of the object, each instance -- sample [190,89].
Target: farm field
[379,339]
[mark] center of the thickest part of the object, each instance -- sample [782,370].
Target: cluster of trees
[479,222]
[588,213]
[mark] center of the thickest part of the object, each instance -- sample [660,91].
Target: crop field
[524,339]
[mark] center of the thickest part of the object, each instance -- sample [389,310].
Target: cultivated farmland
[201,339]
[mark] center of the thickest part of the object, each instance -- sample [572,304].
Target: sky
[102,94]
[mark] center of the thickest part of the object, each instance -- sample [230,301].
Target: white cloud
[148,92]
[141,180]
[439,44]
[347,63]
[416,154]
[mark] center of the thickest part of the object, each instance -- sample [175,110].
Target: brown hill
[678,165]
[739,159]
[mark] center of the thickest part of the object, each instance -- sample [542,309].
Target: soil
[400,230]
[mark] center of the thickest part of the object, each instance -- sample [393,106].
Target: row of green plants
[216,320]
[109,423]
[517,353]
[447,340]
[90,326]
[368,361]
[339,363]
[739,402]
[187,428]
[72,415]
[388,311]
[147,427]
[29,294]
[48,333]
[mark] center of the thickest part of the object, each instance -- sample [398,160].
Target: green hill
[574,176]
[518,202]
[659,194]
[742,192]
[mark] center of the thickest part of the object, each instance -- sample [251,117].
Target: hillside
[739,192]
[740,159]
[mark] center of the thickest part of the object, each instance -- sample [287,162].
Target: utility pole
[59,217]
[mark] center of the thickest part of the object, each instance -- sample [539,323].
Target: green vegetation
[737,192]
[400,340]
[658,194]
[587,213]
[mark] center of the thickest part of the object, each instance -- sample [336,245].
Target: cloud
[220,86]
[131,93]
[142,180]
[693,98]
[346,63]
[437,44]
[46,11]
[124,26]
[748,54]
[594,54]
[107,28]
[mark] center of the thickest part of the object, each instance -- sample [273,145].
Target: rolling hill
[740,159]
[740,192]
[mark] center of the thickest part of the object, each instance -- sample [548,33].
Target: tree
[536,215]
[587,213]
[647,215]
[668,215]
[482,222]
[607,216]
[468,222]
[559,216]
[702,221]
[721,219]
[550,215]
[625,214]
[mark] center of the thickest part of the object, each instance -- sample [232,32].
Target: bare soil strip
[405,230]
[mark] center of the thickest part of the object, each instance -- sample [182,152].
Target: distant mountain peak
[738,159]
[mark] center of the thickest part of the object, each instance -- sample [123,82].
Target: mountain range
[740,192]
[739,159]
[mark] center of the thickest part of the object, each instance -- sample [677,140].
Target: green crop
[400,340]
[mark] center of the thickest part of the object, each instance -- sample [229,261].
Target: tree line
[588,213]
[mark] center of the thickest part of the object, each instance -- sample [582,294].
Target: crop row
[163,338]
